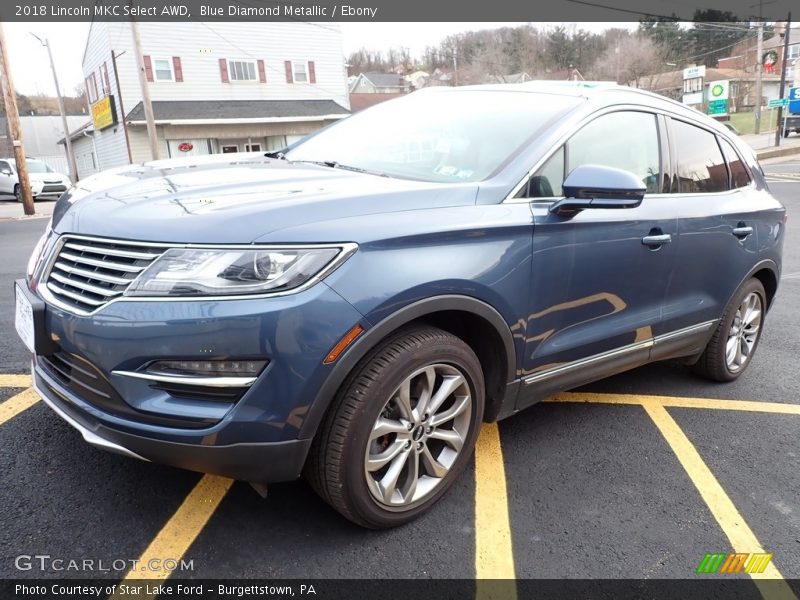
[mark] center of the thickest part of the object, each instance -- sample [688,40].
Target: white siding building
[215,87]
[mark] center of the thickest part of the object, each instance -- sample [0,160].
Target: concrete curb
[775,152]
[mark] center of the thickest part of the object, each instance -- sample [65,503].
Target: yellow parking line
[174,539]
[494,555]
[680,402]
[14,381]
[16,404]
[736,529]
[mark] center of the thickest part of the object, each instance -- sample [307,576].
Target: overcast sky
[31,70]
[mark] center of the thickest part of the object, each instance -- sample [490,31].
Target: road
[604,482]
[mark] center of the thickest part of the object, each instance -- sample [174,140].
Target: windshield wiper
[337,165]
[276,154]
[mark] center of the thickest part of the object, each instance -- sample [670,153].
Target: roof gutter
[241,121]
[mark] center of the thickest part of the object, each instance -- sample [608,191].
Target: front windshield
[37,166]
[435,136]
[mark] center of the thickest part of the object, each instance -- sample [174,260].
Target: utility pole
[146,103]
[114,56]
[14,128]
[759,73]
[779,124]
[73,168]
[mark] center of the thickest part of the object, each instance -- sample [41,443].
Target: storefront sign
[104,113]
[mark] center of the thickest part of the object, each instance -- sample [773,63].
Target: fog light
[208,368]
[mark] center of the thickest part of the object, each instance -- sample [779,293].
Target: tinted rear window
[701,167]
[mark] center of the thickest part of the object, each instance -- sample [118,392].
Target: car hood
[223,200]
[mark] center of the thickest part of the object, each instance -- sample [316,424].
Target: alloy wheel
[744,332]
[418,435]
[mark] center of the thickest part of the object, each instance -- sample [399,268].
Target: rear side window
[626,140]
[740,176]
[701,167]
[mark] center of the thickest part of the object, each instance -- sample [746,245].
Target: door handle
[656,239]
[742,231]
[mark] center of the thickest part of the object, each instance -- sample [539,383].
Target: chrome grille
[88,273]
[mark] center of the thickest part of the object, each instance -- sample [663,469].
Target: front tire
[401,430]
[736,338]
[18,193]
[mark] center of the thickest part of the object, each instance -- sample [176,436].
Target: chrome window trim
[218,382]
[510,199]
[346,250]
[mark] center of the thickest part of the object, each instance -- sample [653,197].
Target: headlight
[36,255]
[205,271]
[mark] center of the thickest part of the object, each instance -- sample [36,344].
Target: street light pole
[759,72]
[784,62]
[73,168]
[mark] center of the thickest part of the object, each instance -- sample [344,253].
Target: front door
[599,278]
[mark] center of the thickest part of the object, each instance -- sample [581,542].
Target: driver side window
[626,140]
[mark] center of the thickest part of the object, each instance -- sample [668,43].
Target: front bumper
[255,462]
[254,438]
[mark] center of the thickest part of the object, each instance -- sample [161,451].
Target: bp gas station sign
[718,92]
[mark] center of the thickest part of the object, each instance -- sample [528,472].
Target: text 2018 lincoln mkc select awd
[352,308]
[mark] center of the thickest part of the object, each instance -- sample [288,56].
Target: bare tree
[633,60]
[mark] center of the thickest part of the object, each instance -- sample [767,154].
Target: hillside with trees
[622,55]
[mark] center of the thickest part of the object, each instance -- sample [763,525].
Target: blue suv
[353,307]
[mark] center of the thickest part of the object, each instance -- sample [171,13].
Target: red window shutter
[312,72]
[106,83]
[148,67]
[287,66]
[223,70]
[176,66]
[262,72]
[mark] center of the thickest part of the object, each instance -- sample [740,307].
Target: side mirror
[6,172]
[596,186]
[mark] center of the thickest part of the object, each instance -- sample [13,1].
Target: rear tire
[401,429]
[731,348]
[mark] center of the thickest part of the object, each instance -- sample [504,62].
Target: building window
[162,69]
[229,148]
[91,87]
[300,71]
[692,85]
[252,147]
[242,70]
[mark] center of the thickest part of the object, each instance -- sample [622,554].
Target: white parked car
[45,182]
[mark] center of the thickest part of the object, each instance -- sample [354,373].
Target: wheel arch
[470,319]
[767,272]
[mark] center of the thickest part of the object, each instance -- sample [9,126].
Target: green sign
[718,107]
[778,102]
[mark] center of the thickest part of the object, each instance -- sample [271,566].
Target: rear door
[598,283]
[718,220]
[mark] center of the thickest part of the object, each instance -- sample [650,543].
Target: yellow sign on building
[104,113]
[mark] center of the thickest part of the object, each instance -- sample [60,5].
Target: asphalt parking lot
[634,477]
